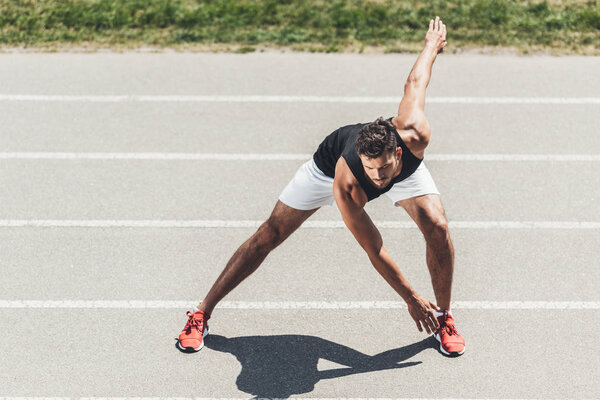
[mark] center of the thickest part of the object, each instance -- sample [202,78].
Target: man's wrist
[410,297]
[431,50]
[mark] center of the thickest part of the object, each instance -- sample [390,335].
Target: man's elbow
[373,251]
[423,138]
[372,246]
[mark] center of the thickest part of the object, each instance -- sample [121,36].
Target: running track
[127,180]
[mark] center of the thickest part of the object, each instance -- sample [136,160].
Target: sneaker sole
[451,354]
[193,349]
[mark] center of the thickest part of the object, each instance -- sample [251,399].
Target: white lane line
[242,398]
[297,305]
[156,156]
[276,156]
[42,223]
[293,99]
[246,398]
[512,157]
[514,100]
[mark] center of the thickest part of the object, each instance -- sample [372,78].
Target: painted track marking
[293,99]
[294,305]
[208,224]
[240,398]
[276,156]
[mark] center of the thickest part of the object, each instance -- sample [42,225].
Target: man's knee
[268,236]
[434,224]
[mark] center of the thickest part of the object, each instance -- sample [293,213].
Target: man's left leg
[428,213]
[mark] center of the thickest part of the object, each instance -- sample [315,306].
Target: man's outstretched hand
[421,310]
[436,35]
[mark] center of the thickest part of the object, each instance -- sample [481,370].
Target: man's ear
[399,153]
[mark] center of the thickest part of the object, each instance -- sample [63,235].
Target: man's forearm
[421,72]
[387,268]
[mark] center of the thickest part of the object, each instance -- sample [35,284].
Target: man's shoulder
[343,173]
[415,132]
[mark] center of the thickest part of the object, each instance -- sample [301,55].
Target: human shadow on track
[283,365]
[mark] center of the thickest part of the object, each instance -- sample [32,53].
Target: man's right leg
[284,220]
[308,190]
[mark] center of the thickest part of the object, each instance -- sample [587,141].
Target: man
[352,166]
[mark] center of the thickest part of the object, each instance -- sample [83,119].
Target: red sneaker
[192,336]
[451,343]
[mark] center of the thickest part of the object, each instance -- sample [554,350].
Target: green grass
[312,25]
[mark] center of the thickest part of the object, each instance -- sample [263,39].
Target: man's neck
[398,169]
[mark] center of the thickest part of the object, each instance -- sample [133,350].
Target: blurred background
[521,26]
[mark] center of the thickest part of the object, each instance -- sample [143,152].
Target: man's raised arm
[411,112]
[418,79]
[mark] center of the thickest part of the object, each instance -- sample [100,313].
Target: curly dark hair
[376,138]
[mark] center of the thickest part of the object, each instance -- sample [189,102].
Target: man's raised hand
[436,35]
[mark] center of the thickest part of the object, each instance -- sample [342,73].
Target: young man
[352,166]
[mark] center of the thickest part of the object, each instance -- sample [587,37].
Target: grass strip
[315,25]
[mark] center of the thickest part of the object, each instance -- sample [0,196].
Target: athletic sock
[206,315]
[440,313]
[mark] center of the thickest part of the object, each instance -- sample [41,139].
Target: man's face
[383,169]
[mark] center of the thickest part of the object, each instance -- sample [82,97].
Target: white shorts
[310,188]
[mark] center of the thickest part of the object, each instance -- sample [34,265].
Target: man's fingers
[431,25]
[426,325]
[437,23]
[432,328]
[434,321]
[432,316]
[419,326]
[425,322]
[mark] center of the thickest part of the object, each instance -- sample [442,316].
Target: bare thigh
[427,211]
[284,220]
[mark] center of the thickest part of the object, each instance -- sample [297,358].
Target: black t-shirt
[341,143]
